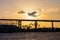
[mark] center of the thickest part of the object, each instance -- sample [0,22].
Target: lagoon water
[30,36]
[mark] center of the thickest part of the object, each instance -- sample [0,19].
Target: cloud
[53,13]
[51,10]
[49,13]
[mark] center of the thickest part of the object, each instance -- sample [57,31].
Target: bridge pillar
[19,24]
[52,25]
[35,24]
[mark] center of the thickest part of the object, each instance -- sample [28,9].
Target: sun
[38,14]
[28,17]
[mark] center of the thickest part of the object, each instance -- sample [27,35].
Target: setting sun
[27,16]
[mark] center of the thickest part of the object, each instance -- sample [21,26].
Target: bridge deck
[30,20]
[19,21]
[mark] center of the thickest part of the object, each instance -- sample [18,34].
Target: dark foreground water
[30,36]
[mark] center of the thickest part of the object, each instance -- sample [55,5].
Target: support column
[35,24]
[19,24]
[52,25]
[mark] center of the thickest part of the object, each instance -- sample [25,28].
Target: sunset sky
[46,9]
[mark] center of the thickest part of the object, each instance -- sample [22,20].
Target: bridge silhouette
[19,21]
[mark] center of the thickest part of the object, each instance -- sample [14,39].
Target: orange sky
[46,9]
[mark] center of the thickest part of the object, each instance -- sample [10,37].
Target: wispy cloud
[51,10]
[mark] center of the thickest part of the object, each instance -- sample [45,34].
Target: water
[30,36]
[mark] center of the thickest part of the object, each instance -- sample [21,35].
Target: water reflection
[30,36]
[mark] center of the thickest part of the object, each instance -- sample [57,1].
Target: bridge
[19,22]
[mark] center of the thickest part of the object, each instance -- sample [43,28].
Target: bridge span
[18,22]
